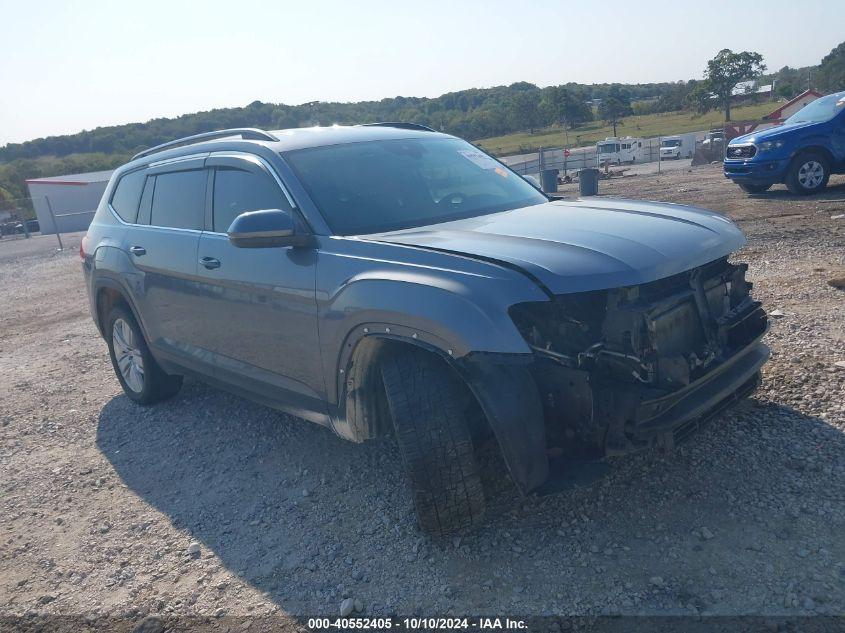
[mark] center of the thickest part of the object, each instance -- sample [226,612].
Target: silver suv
[389,278]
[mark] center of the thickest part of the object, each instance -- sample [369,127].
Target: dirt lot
[100,499]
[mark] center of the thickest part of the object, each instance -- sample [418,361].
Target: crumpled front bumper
[734,379]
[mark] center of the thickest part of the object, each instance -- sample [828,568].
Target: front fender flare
[508,395]
[502,385]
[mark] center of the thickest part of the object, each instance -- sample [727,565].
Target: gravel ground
[209,505]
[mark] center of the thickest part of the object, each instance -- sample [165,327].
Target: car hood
[587,244]
[770,134]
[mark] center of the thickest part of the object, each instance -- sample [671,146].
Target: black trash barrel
[548,180]
[588,181]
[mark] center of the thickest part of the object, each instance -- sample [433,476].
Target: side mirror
[265,229]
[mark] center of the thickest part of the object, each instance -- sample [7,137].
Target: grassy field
[644,125]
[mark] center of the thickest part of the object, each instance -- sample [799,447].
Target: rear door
[163,246]
[259,303]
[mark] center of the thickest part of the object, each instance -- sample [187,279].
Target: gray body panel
[456,304]
[268,293]
[591,244]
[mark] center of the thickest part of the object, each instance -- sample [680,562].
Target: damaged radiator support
[608,363]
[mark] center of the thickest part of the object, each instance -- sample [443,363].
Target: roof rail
[401,125]
[246,133]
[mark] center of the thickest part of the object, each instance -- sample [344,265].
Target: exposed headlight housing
[767,146]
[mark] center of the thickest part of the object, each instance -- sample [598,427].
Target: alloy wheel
[127,353]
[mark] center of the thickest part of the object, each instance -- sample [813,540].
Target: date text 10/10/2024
[419,623]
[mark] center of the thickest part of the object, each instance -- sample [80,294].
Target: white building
[786,110]
[73,198]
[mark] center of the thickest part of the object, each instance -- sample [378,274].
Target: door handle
[137,251]
[210,262]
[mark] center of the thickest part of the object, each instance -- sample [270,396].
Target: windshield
[608,148]
[820,110]
[672,142]
[377,186]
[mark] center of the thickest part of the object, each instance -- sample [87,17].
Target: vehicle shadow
[834,192]
[284,503]
[308,518]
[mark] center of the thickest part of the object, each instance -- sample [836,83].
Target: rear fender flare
[102,282]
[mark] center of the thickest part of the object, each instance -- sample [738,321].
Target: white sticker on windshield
[479,158]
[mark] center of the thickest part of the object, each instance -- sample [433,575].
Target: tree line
[475,113]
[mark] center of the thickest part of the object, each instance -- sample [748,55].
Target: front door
[260,305]
[838,140]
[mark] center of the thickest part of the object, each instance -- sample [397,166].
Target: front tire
[428,405]
[754,188]
[808,174]
[141,377]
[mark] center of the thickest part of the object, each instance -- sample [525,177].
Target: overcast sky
[69,66]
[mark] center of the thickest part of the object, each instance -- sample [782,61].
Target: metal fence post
[659,158]
[55,224]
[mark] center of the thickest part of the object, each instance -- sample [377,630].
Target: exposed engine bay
[608,362]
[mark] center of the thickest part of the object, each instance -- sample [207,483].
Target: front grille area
[666,333]
[741,151]
[617,367]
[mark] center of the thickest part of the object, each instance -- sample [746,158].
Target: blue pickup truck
[802,153]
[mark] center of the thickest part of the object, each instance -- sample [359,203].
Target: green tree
[552,105]
[676,98]
[564,107]
[788,82]
[727,69]
[524,110]
[578,111]
[831,73]
[615,106]
[699,99]
[5,198]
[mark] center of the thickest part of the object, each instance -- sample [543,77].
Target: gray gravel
[209,504]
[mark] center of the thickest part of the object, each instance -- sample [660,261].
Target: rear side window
[179,200]
[237,191]
[127,194]
[146,201]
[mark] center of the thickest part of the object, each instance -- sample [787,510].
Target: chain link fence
[578,158]
[17,218]
[20,220]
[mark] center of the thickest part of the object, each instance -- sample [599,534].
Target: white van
[675,147]
[615,151]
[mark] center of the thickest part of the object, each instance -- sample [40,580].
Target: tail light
[82,247]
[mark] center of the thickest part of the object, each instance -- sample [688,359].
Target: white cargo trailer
[676,147]
[615,151]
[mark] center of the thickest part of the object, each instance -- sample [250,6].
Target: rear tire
[141,377]
[427,403]
[754,188]
[808,174]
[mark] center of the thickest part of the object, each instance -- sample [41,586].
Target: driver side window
[237,191]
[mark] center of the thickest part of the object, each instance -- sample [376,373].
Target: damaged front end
[620,369]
